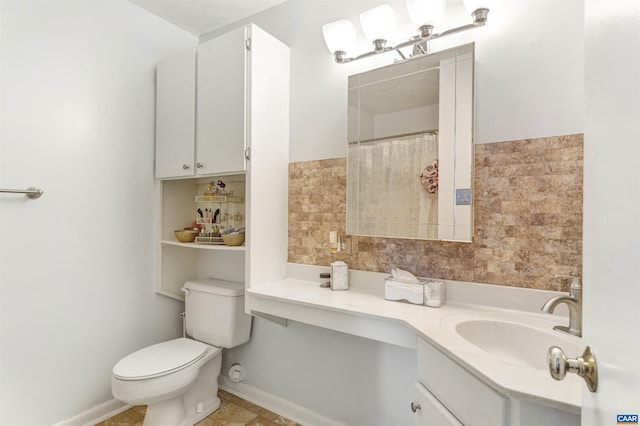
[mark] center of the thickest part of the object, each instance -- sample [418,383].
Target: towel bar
[31,192]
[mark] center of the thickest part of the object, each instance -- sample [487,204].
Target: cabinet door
[429,411]
[175,115]
[221,100]
[268,165]
[467,397]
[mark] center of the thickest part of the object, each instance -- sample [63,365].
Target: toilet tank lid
[219,287]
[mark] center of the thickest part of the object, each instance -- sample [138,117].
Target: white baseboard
[252,394]
[96,414]
[274,403]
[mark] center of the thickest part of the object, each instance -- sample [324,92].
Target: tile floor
[233,411]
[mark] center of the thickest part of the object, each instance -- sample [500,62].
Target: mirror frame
[455,128]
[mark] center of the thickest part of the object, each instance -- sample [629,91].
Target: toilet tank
[214,312]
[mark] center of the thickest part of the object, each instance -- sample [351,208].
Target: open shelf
[202,246]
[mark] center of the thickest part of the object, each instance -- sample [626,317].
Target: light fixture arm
[426,35]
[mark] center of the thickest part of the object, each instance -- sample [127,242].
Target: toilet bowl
[178,379]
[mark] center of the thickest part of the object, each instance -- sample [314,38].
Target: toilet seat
[159,359]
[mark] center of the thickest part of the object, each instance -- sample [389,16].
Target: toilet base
[172,412]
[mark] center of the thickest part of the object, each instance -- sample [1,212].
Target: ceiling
[202,16]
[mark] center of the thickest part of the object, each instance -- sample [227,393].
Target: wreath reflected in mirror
[429,178]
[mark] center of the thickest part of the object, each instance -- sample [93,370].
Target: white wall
[529,83]
[76,266]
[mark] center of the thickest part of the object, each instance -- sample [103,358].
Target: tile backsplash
[527,219]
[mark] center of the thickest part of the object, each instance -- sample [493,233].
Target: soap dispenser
[339,276]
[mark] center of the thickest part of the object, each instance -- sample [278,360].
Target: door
[175,115]
[221,100]
[611,255]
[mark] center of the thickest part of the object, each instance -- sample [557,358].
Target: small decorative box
[404,290]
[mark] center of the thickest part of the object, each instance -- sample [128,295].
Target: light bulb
[340,36]
[379,23]
[473,5]
[425,12]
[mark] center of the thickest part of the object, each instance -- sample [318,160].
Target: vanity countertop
[364,311]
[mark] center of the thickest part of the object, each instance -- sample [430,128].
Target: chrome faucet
[574,303]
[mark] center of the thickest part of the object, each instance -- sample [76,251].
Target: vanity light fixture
[378,25]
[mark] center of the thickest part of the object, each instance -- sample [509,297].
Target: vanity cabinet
[448,394]
[242,138]
[456,395]
[429,411]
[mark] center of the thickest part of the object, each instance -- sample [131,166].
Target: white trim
[274,403]
[97,414]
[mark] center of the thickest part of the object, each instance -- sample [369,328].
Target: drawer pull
[415,407]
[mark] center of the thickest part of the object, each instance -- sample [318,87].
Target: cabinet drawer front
[470,400]
[431,411]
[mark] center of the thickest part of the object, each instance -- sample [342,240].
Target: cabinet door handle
[199,165]
[415,406]
[185,167]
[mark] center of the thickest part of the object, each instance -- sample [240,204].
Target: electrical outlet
[463,197]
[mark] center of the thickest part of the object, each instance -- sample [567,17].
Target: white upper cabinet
[221,101]
[234,124]
[175,115]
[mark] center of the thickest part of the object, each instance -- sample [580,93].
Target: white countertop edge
[366,300]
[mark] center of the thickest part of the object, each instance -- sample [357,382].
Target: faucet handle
[576,284]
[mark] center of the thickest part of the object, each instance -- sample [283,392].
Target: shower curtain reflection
[386,198]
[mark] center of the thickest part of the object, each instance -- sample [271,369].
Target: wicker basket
[233,239]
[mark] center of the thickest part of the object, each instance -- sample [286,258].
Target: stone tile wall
[527,219]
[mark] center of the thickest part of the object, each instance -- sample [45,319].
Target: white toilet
[178,379]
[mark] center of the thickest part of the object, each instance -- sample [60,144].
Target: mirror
[410,153]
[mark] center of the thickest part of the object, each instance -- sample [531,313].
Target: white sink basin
[514,343]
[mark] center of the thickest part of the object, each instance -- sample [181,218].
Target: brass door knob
[584,366]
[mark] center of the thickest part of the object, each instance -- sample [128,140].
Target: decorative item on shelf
[429,178]
[218,199]
[209,240]
[233,237]
[211,190]
[186,235]
[221,186]
[379,25]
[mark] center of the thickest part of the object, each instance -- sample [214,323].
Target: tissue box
[405,291]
